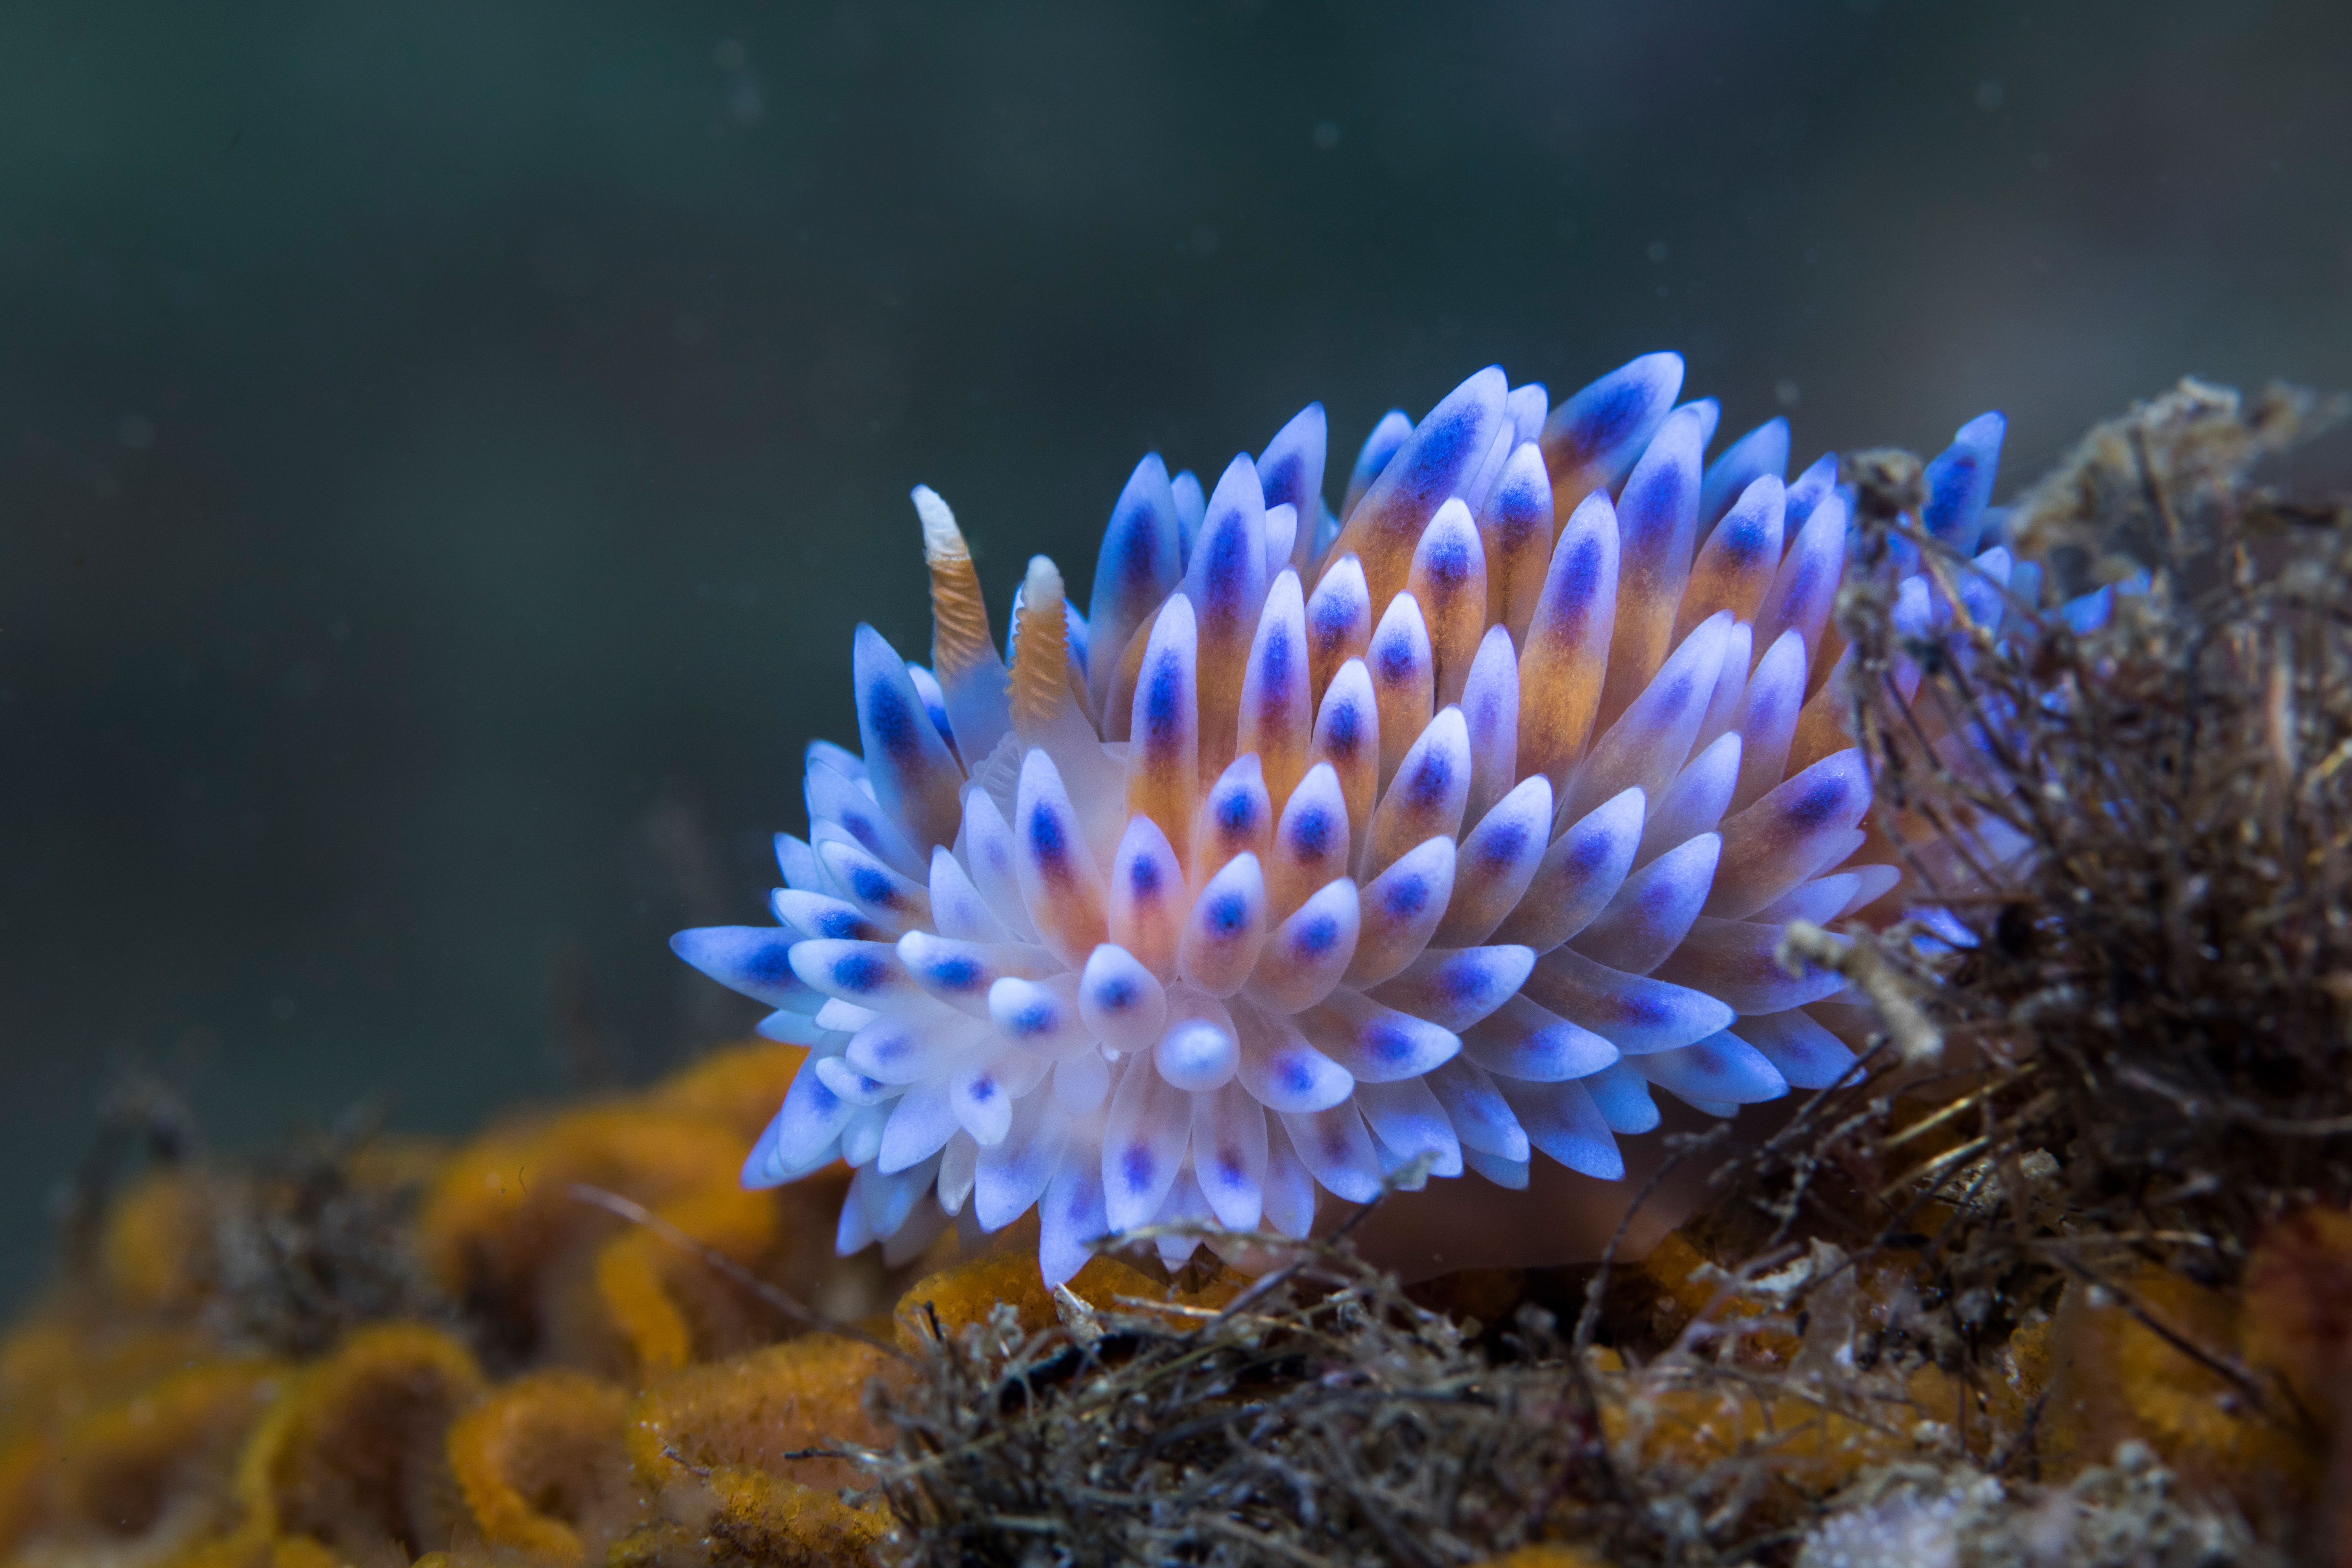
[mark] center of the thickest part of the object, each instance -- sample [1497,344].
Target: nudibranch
[1446,827]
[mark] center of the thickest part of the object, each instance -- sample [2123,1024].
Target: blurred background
[444,446]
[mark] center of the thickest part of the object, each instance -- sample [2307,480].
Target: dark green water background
[444,445]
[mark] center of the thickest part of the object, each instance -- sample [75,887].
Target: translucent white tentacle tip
[941,539]
[1043,585]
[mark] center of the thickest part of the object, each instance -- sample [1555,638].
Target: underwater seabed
[2055,1274]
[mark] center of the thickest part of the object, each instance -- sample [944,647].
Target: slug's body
[1449,827]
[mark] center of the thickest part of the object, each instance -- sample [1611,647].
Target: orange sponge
[158,1461]
[154,1252]
[541,1465]
[738,1088]
[503,1228]
[354,1455]
[755,1410]
[764,1519]
[2122,1379]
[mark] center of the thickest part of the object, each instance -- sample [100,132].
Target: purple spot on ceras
[1312,832]
[894,722]
[1226,574]
[1463,982]
[1810,566]
[1136,1167]
[1593,852]
[766,964]
[1049,840]
[861,973]
[1679,691]
[1744,538]
[1237,815]
[892,1043]
[1317,936]
[1334,620]
[1387,1042]
[1666,491]
[1605,422]
[1824,802]
[983,1090]
[1143,877]
[846,925]
[1642,1009]
[1163,706]
[1500,847]
[1442,448]
[1279,482]
[1078,1205]
[1810,487]
[1578,573]
[1396,658]
[1133,541]
[1426,788]
[1519,507]
[1275,660]
[957,973]
[823,1102]
[1226,915]
[1449,562]
[1662,895]
[1405,897]
[1344,728]
[860,826]
[1952,481]
[869,884]
[1332,1135]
